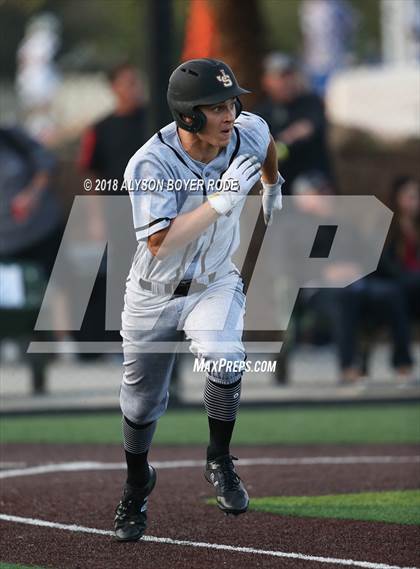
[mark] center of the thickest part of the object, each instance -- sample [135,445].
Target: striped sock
[137,441]
[222,400]
[137,438]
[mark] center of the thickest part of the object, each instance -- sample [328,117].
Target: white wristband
[279,181]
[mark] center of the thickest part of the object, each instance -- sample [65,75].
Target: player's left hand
[272,198]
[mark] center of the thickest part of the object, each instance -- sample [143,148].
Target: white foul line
[169,464]
[200,544]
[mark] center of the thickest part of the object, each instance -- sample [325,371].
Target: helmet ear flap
[238,107]
[199,120]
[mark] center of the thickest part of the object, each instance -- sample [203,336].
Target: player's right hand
[239,178]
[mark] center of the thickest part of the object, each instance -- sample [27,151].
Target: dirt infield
[178,510]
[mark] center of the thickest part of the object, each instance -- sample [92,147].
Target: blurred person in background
[105,150]
[328,29]
[328,305]
[107,145]
[375,299]
[31,222]
[401,256]
[296,118]
[37,76]
[391,295]
[316,317]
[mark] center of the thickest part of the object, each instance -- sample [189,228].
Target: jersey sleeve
[255,134]
[154,205]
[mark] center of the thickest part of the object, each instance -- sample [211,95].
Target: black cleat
[131,514]
[231,496]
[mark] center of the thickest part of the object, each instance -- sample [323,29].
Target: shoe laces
[229,479]
[128,508]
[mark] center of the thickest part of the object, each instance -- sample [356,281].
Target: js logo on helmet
[224,78]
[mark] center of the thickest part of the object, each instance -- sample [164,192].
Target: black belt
[183,287]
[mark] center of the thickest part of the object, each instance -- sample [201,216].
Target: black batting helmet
[201,82]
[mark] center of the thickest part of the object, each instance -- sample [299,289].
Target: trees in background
[96,33]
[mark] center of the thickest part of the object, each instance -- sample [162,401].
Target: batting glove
[238,179]
[272,198]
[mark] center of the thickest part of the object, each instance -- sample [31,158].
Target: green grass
[402,507]
[388,423]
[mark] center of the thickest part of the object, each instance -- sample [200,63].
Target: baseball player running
[187,185]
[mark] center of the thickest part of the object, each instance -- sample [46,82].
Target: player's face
[219,124]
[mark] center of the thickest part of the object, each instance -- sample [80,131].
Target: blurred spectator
[315,318]
[323,303]
[401,256]
[328,28]
[296,119]
[377,298]
[37,78]
[108,145]
[400,31]
[106,148]
[30,215]
[391,294]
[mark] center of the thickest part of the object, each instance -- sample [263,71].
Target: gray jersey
[164,182]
